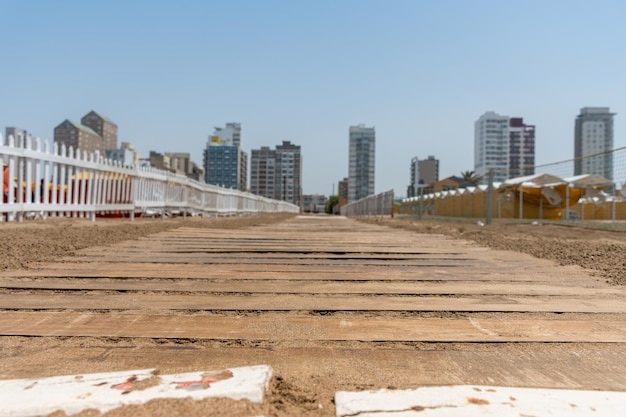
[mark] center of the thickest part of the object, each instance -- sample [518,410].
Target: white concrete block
[476,401]
[106,391]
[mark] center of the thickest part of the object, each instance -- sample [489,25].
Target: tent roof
[537,180]
[588,179]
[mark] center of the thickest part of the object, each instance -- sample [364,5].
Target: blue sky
[420,71]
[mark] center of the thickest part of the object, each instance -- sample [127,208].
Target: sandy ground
[602,252]
[303,391]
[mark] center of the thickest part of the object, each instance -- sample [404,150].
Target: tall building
[289,161]
[225,165]
[593,135]
[362,161]
[424,172]
[103,126]
[19,136]
[504,145]
[230,135]
[521,148]
[94,133]
[225,162]
[277,173]
[263,172]
[491,145]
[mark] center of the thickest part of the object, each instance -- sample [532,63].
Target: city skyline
[306,72]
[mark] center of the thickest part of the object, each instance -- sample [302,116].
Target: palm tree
[469,178]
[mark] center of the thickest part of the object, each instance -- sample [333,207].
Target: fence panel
[373,205]
[554,193]
[42,181]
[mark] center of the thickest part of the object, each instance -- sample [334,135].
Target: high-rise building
[504,145]
[277,173]
[230,135]
[225,162]
[521,148]
[289,160]
[424,172]
[593,137]
[362,159]
[94,133]
[225,165]
[263,172]
[491,146]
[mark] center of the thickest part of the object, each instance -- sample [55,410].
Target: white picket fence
[40,180]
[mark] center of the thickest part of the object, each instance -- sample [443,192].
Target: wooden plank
[311,328]
[479,401]
[74,394]
[309,286]
[289,302]
[205,256]
[229,246]
[303,262]
[567,276]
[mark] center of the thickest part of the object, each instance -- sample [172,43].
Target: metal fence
[373,205]
[553,192]
[42,181]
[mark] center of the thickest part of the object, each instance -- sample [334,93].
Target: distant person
[5,172]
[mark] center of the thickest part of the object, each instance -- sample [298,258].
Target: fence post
[489,196]
[521,200]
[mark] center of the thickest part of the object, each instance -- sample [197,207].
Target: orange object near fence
[6,179]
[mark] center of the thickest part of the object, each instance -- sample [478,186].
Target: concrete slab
[106,391]
[473,401]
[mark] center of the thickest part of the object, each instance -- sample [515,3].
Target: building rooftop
[77,126]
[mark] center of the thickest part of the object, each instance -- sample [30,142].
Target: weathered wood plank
[308,286]
[290,302]
[294,272]
[309,328]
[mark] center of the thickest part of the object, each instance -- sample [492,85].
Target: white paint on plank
[475,401]
[106,391]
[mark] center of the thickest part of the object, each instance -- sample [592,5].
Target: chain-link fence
[590,188]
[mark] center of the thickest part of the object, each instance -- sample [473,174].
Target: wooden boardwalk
[314,280]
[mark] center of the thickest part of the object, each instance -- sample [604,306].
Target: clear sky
[422,72]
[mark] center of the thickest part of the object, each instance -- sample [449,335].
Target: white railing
[41,182]
[373,205]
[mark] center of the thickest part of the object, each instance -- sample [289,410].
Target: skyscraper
[229,135]
[277,174]
[423,172]
[263,172]
[593,135]
[225,163]
[289,160]
[491,145]
[521,148]
[504,145]
[362,159]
